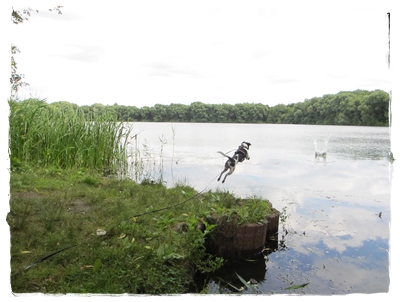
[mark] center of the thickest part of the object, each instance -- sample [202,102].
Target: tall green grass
[61,135]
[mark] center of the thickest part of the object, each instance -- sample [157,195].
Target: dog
[240,155]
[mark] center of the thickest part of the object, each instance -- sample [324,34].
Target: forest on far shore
[357,108]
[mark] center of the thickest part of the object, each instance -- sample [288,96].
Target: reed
[61,135]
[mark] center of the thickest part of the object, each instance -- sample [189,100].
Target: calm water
[337,241]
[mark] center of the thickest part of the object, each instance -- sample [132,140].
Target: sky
[141,53]
[147,52]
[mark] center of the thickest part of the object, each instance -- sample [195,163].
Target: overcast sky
[147,52]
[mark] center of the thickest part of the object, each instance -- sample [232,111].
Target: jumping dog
[240,155]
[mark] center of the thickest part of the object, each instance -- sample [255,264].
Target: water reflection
[334,237]
[329,272]
[227,281]
[341,243]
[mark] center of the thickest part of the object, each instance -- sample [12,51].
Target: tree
[160,113]
[147,114]
[278,114]
[198,112]
[360,107]
[17,17]
[375,109]
[178,112]
[16,81]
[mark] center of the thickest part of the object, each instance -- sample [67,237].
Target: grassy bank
[78,225]
[153,243]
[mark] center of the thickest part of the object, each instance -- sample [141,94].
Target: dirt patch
[26,195]
[78,207]
[74,206]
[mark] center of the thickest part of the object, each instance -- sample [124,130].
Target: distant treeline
[358,108]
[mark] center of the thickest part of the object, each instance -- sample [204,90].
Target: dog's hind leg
[226,169]
[231,170]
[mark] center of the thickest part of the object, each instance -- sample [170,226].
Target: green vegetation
[224,204]
[153,253]
[61,135]
[75,228]
[358,108]
[65,194]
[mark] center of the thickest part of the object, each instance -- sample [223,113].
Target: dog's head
[246,145]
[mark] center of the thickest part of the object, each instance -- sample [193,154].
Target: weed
[89,180]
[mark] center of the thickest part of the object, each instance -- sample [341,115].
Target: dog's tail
[223,154]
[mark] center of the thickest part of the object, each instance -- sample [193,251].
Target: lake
[336,235]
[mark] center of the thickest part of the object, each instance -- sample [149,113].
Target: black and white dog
[240,155]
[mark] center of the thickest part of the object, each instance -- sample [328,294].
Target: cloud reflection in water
[337,240]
